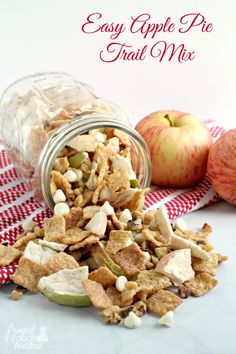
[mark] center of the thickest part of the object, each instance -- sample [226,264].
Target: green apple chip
[77,160]
[102,259]
[65,287]
[134,183]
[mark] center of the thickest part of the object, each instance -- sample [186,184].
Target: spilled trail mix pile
[101,249]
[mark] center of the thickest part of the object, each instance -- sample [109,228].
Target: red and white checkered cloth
[18,204]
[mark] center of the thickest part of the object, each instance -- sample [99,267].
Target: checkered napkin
[18,204]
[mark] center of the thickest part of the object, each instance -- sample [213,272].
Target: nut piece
[221,258]
[139,238]
[139,308]
[147,257]
[161,251]
[131,285]
[132,320]
[183,292]
[167,319]
[16,295]
[111,315]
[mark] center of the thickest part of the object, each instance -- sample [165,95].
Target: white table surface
[205,325]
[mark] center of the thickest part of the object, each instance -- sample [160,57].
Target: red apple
[221,166]
[179,144]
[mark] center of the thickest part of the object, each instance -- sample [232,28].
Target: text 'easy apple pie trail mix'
[100,249]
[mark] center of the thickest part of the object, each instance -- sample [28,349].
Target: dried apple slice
[97,225]
[102,259]
[76,160]
[163,222]
[134,183]
[56,246]
[38,253]
[65,287]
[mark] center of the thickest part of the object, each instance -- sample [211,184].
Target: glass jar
[41,113]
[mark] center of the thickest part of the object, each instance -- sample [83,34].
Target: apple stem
[168,118]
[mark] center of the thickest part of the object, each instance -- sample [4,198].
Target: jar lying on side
[42,118]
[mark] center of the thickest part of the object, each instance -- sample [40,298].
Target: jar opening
[140,156]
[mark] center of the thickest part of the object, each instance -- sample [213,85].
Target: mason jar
[43,112]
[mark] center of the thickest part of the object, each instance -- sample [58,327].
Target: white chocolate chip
[180,225]
[61,209]
[70,176]
[147,256]
[28,225]
[79,174]
[167,319]
[59,196]
[132,320]
[107,208]
[120,283]
[125,216]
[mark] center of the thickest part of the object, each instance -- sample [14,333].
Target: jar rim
[75,127]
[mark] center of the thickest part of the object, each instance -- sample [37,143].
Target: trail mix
[101,249]
[94,168]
